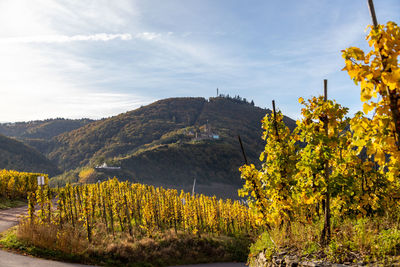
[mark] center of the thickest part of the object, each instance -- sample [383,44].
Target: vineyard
[15,184]
[121,222]
[140,210]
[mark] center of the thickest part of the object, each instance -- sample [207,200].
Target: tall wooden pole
[372,11]
[326,232]
[244,154]
[194,185]
[256,188]
[275,124]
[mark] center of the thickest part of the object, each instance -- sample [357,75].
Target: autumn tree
[271,189]
[378,74]
[322,131]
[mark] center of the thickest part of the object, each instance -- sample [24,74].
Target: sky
[96,59]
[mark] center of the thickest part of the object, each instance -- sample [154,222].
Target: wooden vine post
[31,206]
[326,232]
[275,124]
[282,171]
[257,189]
[394,97]
[244,154]
[128,217]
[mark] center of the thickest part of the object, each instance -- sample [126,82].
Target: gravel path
[8,259]
[9,218]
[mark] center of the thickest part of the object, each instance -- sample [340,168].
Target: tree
[378,73]
[322,131]
[271,189]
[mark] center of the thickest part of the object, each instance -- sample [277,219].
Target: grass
[6,203]
[162,249]
[371,240]
[10,241]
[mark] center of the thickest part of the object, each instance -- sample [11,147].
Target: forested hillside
[157,144]
[15,155]
[41,129]
[169,143]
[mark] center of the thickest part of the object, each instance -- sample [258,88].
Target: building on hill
[106,167]
[205,132]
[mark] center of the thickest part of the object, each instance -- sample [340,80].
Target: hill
[14,155]
[38,133]
[157,144]
[41,129]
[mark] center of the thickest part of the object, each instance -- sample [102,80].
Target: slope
[121,135]
[157,144]
[15,155]
[42,129]
[39,133]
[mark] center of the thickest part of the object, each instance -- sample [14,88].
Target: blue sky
[96,59]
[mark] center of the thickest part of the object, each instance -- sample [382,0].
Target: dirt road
[9,218]
[13,260]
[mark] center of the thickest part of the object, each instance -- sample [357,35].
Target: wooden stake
[372,11]
[194,185]
[128,217]
[326,232]
[275,124]
[241,146]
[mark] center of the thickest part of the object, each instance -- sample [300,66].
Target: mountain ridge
[152,144]
[39,129]
[168,143]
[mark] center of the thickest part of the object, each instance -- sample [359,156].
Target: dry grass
[167,248]
[48,236]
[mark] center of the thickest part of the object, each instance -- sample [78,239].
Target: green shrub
[387,243]
[263,244]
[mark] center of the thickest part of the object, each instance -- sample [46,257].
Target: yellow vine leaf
[367,108]
[380,156]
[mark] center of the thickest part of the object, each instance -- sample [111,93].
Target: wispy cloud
[147,35]
[89,37]
[99,58]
